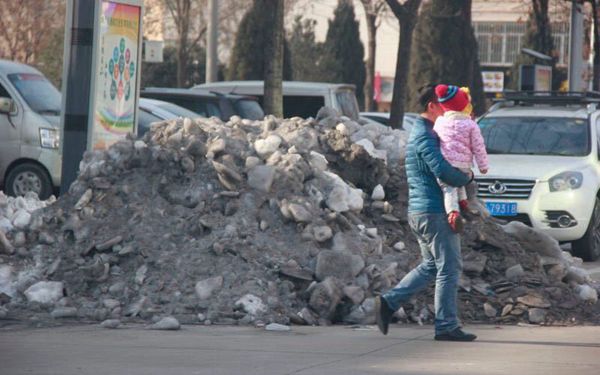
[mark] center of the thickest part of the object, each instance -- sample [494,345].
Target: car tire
[588,246]
[28,177]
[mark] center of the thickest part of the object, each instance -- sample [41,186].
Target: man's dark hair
[426,96]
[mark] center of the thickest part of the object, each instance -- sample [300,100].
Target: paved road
[87,350]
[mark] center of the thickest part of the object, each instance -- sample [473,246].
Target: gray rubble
[111,324]
[166,324]
[296,221]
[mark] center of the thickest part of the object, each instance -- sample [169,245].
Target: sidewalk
[84,350]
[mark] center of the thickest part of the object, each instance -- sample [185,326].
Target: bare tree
[25,26]
[374,11]
[273,99]
[406,13]
[188,17]
[190,21]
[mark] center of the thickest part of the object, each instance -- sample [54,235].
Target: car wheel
[28,177]
[588,246]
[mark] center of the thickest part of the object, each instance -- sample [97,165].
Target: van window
[38,92]
[3,92]
[249,109]
[213,110]
[302,106]
[348,104]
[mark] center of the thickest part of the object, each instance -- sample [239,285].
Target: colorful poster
[116,75]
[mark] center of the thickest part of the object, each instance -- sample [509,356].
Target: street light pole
[212,60]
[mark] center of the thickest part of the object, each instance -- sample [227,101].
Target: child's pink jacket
[461,140]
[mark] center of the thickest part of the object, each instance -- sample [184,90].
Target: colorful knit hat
[451,98]
[469,108]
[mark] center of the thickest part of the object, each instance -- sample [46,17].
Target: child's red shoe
[456,222]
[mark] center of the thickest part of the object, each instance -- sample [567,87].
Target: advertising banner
[493,81]
[543,78]
[116,80]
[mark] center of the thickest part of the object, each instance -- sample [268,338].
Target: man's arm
[429,148]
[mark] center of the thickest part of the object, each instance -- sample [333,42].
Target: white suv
[545,166]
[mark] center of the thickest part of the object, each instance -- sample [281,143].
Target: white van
[29,131]
[303,99]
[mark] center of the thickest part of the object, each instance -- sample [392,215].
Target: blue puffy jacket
[424,163]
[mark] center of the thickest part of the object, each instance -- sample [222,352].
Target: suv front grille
[504,188]
[523,218]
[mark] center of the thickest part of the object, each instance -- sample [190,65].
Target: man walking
[440,246]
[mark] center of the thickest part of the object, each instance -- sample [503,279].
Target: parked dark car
[300,98]
[209,104]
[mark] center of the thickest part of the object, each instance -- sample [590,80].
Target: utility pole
[77,71]
[212,60]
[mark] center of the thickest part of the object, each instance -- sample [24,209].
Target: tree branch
[403,10]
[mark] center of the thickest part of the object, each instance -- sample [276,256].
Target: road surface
[216,350]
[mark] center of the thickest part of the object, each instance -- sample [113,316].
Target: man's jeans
[440,249]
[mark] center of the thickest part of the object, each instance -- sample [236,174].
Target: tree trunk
[183,30]
[477,91]
[372,47]
[596,67]
[181,63]
[212,59]
[407,26]
[273,72]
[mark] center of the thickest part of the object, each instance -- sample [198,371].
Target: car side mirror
[7,105]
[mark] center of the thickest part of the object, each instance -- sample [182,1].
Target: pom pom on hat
[451,98]
[444,92]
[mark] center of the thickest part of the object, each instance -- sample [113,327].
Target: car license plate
[501,208]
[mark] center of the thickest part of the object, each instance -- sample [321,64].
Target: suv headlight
[566,181]
[49,138]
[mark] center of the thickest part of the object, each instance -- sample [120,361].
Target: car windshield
[536,135]
[348,103]
[177,110]
[38,92]
[249,109]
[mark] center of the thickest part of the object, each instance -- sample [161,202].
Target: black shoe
[383,314]
[456,335]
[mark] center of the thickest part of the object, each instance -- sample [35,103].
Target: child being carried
[461,142]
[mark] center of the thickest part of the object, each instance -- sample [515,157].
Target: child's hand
[483,171]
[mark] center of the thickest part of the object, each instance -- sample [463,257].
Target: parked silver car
[152,110]
[29,131]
